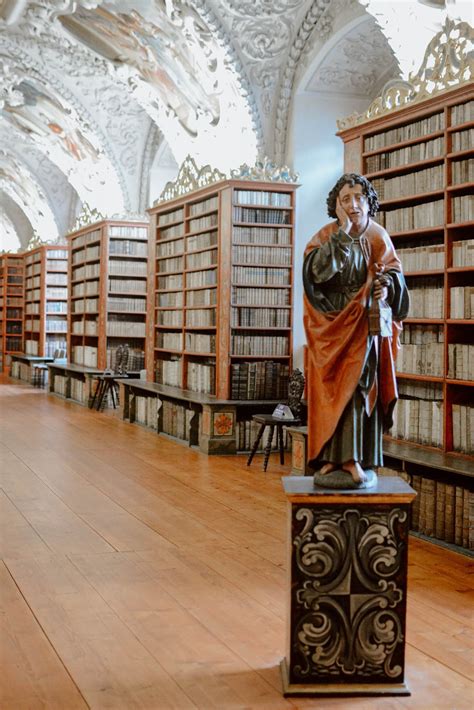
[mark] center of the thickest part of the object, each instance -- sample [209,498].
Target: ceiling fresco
[95,93]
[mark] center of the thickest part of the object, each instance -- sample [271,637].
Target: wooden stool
[268,420]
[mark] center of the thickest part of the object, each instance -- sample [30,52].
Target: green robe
[333,274]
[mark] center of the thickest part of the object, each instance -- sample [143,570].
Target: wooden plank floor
[138,573]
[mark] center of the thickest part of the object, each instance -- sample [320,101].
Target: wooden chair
[295,393]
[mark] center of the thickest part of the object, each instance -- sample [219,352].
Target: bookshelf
[107,293]
[12,307]
[420,158]
[221,284]
[46,272]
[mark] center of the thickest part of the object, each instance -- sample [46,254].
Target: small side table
[347,588]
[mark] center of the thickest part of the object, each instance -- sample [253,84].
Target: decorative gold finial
[264,170]
[447,63]
[189,178]
[87,216]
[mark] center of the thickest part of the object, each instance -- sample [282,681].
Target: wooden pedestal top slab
[389,489]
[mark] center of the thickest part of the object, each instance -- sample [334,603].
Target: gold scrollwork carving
[264,170]
[447,63]
[189,178]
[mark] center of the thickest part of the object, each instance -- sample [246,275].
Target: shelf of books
[420,159]
[221,278]
[46,272]
[107,293]
[12,282]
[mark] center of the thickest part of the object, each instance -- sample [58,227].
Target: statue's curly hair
[353,179]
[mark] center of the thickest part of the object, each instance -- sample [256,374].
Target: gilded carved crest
[447,63]
[189,178]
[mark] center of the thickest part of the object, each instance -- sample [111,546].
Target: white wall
[317,154]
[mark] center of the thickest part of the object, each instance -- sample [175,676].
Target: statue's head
[345,184]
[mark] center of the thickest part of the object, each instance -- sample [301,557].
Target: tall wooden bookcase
[107,292]
[220,290]
[46,272]
[12,299]
[420,159]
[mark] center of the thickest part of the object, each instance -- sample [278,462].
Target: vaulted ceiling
[96,94]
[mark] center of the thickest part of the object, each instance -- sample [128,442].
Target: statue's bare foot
[327,468]
[357,472]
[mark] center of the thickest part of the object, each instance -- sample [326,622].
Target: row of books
[56,264]
[426,359]
[84,355]
[410,183]
[201,318]
[31,325]
[260,317]
[211,203]
[171,248]
[421,334]
[77,390]
[172,216]
[463,428]
[201,259]
[56,279]
[443,511]
[120,267]
[261,255]
[194,318]
[33,282]
[263,198]
[130,304]
[200,343]
[462,171]
[176,420]
[261,235]
[13,344]
[124,329]
[462,113]
[417,129]
[261,276]
[404,156]
[259,345]
[196,279]
[85,327]
[169,372]
[86,238]
[52,345]
[31,348]
[463,208]
[259,380]
[261,216]
[127,286]
[146,411]
[172,299]
[13,328]
[85,288]
[128,232]
[463,252]
[419,421]
[242,296]
[462,140]
[422,258]
[87,254]
[56,325]
[201,241]
[53,292]
[460,361]
[427,214]
[202,297]
[136,356]
[89,271]
[201,377]
[200,223]
[128,248]
[176,230]
[426,301]
[14,312]
[33,269]
[85,305]
[462,302]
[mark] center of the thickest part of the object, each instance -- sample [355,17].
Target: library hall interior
[236,354]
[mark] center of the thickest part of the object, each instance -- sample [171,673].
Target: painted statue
[350,269]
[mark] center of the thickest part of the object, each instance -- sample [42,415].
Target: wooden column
[347,590]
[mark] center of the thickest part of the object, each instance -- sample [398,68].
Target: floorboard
[137,572]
